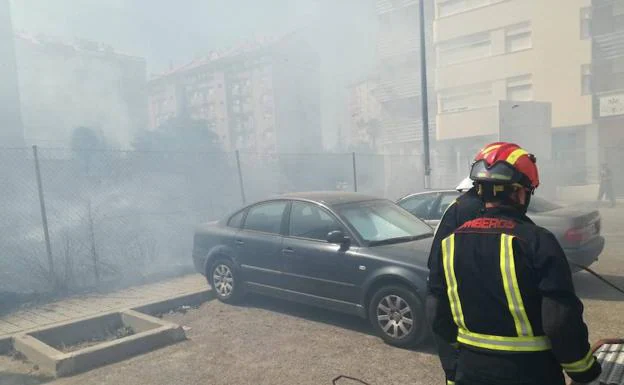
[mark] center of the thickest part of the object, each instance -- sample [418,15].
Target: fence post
[94,256]
[240,177]
[44,219]
[355,187]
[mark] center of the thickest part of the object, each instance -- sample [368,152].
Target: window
[466,98]
[420,205]
[586,79]
[382,221]
[586,23]
[236,220]
[266,217]
[518,38]
[520,88]
[446,200]
[310,221]
[465,49]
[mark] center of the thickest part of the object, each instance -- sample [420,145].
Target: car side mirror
[338,237]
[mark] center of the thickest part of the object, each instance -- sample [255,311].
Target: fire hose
[595,348]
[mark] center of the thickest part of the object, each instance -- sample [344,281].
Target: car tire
[397,316]
[224,279]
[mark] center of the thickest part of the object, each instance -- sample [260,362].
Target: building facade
[64,86]
[517,50]
[364,113]
[261,97]
[398,87]
[606,79]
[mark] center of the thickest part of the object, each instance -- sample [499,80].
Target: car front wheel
[397,316]
[225,282]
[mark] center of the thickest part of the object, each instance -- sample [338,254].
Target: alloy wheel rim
[394,316]
[223,280]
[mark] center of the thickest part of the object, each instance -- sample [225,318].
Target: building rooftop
[79,46]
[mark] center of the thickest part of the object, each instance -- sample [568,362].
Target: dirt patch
[15,369]
[108,335]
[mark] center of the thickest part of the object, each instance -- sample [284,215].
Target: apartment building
[516,50]
[398,87]
[261,96]
[605,79]
[65,85]
[364,114]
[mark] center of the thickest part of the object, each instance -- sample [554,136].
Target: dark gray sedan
[577,229]
[341,251]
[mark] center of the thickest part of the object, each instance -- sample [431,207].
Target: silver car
[576,228]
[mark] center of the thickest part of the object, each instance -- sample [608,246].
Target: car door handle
[239,242]
[288,251]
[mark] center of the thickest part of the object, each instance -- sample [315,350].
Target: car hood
[414,252]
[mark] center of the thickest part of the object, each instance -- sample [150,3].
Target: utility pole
[423,95]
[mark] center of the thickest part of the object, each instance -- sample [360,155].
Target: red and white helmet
[503,163]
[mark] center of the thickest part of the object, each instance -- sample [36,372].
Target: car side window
[266,217]
[445,202]
[310,221]
[420,205]
[236,220]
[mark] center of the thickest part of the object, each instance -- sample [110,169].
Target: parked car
[338,250]
[577,229]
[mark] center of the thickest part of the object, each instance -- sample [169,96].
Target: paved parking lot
[272,342]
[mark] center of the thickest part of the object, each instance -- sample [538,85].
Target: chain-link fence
[81,219]
[78,219]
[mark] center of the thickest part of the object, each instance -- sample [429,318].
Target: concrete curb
[41,347]
[6,345]
[163,306]
[40,344]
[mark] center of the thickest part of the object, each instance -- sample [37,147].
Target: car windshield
[383,222]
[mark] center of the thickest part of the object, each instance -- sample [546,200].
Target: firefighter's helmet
[503,163]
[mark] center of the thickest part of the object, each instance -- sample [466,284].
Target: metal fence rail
[72,220]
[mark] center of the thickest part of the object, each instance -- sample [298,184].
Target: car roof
[330,198]
[430,192]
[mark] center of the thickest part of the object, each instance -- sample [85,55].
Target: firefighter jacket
[502,285]
[468,206]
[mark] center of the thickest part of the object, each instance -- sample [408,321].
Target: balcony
[604,82]
[609,45]
[400,131]
[393,45]
[469,123]
[385,6]
[400,88]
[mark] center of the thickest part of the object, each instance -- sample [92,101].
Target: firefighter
[501,301]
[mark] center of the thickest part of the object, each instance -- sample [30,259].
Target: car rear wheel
[225,283]
[397,316]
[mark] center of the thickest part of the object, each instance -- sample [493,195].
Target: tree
[180,133]
[87,145]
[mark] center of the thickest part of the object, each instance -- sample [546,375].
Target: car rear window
[541,205]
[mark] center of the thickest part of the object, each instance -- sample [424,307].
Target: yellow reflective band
[448,260]
[490,149]
[511,287]
[581,365]
[513,157]
[508,344]
[449,382]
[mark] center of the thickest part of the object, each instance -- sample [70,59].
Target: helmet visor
[498,173]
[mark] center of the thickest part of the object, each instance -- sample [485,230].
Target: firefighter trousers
[484,368]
